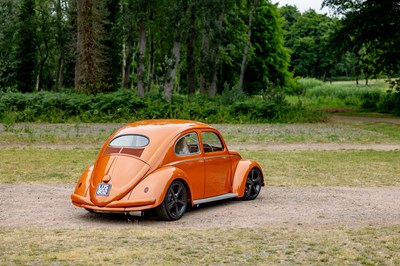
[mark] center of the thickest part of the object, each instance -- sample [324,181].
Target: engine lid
[117,176]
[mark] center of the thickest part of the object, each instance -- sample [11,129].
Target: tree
[26,47]
[247,46]
[8,26]
[376,31]
[376,39]
[175,26]
[190,48]
[307,36]
[269,61]
[90,68]
[212,17]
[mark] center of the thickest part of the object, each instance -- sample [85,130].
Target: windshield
[132,141]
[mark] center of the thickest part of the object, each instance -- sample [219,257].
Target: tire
[174,204]
[253,184]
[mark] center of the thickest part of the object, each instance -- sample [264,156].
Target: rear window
[133,141]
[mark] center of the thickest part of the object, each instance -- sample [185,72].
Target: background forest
[213,60]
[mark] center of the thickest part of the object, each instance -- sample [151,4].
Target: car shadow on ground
[150,217]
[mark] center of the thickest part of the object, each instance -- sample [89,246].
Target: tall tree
[128,12]
[143,7]
[26,47]
[177,12]
[190,48]
[61,41]
[247,46]
[8,27]
[269,61]
[90,69]
[376,31]
[307,36]
[44,35]
[212,17]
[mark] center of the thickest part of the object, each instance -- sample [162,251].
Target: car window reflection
[188,144]
[211,142]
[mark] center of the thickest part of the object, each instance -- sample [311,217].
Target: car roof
[160,133]
[157,127]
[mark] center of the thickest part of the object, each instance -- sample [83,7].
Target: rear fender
[239,179]
[84,182]
[156,184]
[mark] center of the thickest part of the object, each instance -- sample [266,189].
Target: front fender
[156,184]
[239,179]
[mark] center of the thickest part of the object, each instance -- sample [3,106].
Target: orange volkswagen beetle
[165,165]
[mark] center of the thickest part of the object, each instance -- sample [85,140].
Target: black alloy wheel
[253,184]
[175,202]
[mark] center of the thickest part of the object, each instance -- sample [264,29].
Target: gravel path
[39,206]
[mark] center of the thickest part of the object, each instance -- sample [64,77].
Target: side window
[211,142]
[188,144]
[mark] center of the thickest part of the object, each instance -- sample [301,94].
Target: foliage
[269,61]
[124,105]
[26,47]
[86,44]
[340,95]
[307,37]
[374,41]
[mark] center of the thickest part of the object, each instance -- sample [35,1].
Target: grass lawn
[22,162]
[182,246]
[282,168]
[356,132]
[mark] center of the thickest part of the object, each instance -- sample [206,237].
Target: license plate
[103,189]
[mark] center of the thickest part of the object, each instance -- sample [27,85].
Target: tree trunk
[213,86]
[141,67]
[44,55]
[169,84]
[61,44]
[190,60]
[246,48]
[151,63]
[212,90]
[127,59]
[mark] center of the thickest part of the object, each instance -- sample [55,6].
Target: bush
[125,106]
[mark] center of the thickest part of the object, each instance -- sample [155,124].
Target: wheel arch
[239,178]
[158,182]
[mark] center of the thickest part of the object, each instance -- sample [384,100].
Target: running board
[211,199]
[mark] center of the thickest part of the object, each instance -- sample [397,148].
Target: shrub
[124,106]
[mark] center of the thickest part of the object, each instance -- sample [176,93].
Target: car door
[190,160]
[217,165]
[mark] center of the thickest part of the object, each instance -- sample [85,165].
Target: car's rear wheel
[253,184]
[175,202]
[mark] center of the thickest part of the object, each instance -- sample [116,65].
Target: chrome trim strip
[216,157]
[206,158]
[219,197]
[185,161]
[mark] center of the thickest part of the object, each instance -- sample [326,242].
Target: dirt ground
[49,206]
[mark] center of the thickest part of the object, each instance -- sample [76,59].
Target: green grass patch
[282,168]
[183,246]
[319,95]
[356,132]
[44,165]
[328,168]
[94,135]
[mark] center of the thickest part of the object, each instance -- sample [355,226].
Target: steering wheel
[207,147]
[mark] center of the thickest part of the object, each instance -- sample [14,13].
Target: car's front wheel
[253,184]
[175,202]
